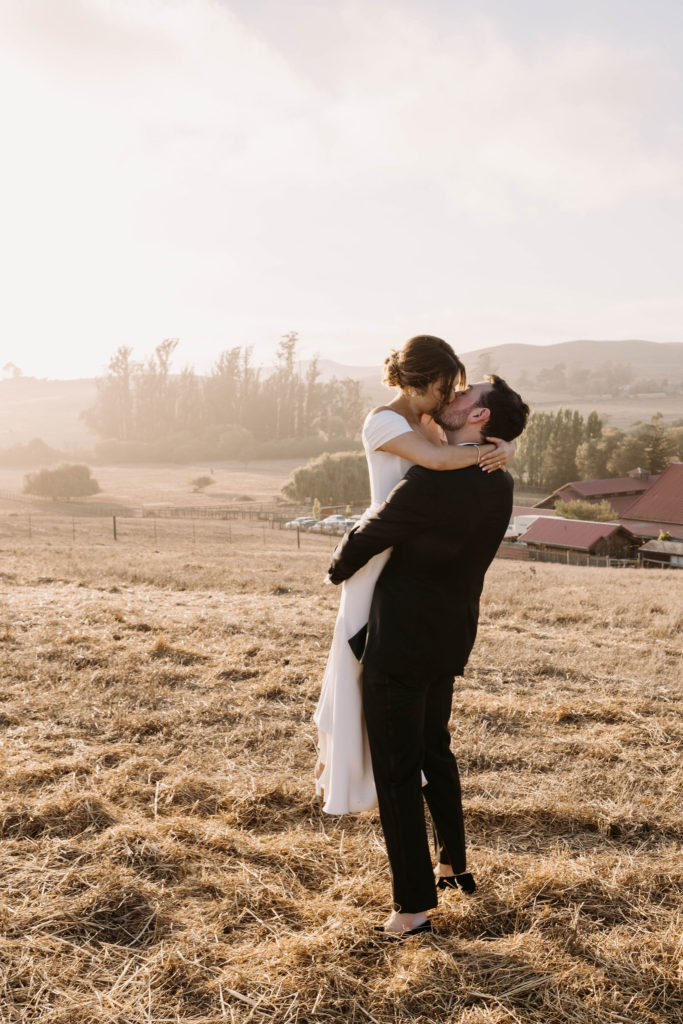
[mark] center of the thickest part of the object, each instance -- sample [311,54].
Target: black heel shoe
[463,881]
[422,929]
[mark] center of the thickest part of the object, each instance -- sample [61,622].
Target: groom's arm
[408,510]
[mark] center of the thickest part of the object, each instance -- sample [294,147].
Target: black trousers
[407,722]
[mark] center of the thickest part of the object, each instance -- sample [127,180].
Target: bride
[426,372]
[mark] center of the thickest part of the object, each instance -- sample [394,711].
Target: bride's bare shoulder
[382,408]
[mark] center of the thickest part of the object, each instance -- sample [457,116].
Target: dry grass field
[162,483]
[164,858]
[159,484]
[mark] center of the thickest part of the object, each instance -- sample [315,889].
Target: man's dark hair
[508,412]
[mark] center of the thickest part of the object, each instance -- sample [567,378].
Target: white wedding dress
[347,782]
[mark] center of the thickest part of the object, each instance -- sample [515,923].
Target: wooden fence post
[114,522]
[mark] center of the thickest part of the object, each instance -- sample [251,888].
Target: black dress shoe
[422,929]
[463,881]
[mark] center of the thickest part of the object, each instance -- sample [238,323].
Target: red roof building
[619,491]
[660,507]
[610,539]
[530,510]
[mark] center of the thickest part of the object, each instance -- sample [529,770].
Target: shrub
[33,453]
[600,512]
[65,481]
[200,482]
[337,479]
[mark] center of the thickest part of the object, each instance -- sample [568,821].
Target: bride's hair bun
[392,373]
[423,360]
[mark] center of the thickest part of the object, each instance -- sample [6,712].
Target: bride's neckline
[417,428]
[387,408]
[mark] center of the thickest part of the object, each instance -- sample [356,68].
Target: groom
[445,528]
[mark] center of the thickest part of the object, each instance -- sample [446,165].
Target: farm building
[662,553]
[562,535]
[530,510]
[659,508]
[620,492]
[522,517]
[644,505]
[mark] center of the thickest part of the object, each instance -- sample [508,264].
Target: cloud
[173,168]
[465,111]
[184,93]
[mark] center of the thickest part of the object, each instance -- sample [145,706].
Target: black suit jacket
[445,528]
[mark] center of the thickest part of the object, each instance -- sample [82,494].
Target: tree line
[145,411]
[555,449]
[558,447]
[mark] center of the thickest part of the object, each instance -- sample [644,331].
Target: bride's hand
[499,457]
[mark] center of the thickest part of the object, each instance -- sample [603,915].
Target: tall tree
[190,410]
[593,457]
[343,407]
[312,399]
[629,454]
[284,386]
[250,409]
[113,415]
[660,445]
[594,426]
[156,391]
[222,388]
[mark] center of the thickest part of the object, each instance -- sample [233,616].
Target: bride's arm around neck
[428,447]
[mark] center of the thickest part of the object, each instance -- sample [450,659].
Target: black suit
[445,528]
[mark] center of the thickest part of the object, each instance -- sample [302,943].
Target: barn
[620,492]
[660,508]
[610,540]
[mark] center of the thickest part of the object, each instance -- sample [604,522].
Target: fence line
[582,558]
[37,528]
[273,513]
[172,531]
[522,553]
[270,513]
[513,551]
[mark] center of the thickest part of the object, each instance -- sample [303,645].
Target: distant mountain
[31,407]
[647,359]
[328,369]
[521,364]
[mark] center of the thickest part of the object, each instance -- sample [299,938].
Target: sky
[226,171]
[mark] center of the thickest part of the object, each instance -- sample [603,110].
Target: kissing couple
[412,572]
